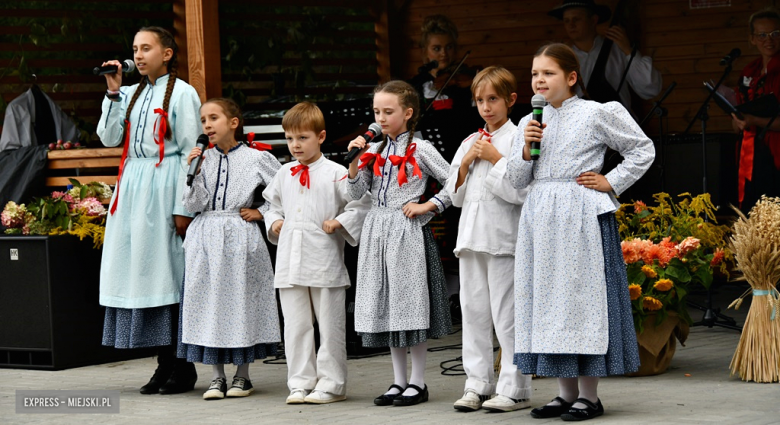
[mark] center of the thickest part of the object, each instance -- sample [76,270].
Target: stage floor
[708,395]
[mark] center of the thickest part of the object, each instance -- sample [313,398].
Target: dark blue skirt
[622,351]
[139,327]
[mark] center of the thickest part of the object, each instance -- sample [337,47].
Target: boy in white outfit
[487,234]
[310,217]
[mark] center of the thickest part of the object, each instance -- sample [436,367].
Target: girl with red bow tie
[401,297]
[228,308]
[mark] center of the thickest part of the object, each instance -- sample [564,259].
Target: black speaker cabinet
[49,312]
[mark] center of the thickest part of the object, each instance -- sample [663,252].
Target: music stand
[712,317]
[660,112]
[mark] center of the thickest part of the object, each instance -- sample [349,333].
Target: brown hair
[503,81]
[167,42]
[766,13]
[564,56]
[231,110]
[407,98]
[437,25]
[304,116]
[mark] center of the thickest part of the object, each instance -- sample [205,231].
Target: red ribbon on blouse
[121,165]
[159,132]
[250,137]
[304,175]
[366,158]
[442,104]
[401,161]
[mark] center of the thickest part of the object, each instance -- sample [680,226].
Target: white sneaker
[323,397]
[297,396]
[470,402]
[502,403]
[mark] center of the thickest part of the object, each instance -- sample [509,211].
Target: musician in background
[759,158]
[602,73]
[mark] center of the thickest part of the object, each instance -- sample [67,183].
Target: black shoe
[411,400]
[548,411]
[387,399]
[217,389]
[182,380]
[590,411]
[160,377]
[241,387]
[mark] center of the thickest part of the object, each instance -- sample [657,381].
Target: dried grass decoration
[756,246]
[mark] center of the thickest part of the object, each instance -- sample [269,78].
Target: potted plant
[668,249]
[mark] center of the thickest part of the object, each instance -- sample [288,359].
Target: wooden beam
[180,35]
[382,9]
[203,55]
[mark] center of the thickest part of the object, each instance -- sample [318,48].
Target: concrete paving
[707,396]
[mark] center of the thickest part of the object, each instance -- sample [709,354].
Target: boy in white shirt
[310,217]
[487,234]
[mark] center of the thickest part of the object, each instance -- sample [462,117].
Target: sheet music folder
[765,106]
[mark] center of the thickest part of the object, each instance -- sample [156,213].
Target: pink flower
[630,252]
[687,246]
[90,207]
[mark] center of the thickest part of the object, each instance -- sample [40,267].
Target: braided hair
[167,42]
[407,98]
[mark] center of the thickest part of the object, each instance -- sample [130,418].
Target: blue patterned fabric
[622,351]
[138,327]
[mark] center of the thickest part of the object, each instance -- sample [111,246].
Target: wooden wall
[686,44]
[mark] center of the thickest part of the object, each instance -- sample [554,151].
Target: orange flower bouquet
[668,248]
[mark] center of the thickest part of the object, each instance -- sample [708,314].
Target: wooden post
[203,56]
[382,26]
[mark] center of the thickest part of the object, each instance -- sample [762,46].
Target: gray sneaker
[502,403]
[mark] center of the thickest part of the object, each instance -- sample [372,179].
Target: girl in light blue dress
[143,260]
[572,309]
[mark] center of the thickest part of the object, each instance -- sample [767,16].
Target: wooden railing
[84,163]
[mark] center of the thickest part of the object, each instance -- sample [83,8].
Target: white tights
[419,355]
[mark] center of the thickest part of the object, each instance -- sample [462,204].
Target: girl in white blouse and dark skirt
[572,309]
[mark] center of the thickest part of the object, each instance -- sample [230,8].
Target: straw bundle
[756,246]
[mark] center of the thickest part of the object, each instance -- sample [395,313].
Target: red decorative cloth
[401,162]
[757,84]
[121,165]
[159,132]
[304,174]
[250,137]
[379,162]
[443,104]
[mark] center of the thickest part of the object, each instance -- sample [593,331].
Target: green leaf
[678,273]
[704,275]
[83,192]
[74,182]
[681,292]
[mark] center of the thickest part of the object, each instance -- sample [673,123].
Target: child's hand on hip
[250,214]
[330,226]
[594,181]
[277,226]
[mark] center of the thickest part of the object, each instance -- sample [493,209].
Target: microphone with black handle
[373,130]
[202,143]
[127,66]
[733,54]
[537,103]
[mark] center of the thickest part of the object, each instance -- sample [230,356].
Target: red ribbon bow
[121,165]
[304,175]
[440,104]
[250,137]
[159,132]
[485,134]
[401,161]
[379,162]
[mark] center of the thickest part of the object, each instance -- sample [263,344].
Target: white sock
[218,371]
[567,390]
[242,371]
[588,390]
[419,355]
[399,369]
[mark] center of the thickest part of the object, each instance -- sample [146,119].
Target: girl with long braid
[143,260]
[401,297]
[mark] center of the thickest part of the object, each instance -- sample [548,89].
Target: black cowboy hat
[600,10]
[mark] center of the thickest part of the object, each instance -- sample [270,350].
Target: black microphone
[127,66]
[427,67]
[537,102]
[202,143]
[373,130]
[733,54]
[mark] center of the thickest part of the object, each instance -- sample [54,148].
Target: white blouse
[490,204]
[307,256]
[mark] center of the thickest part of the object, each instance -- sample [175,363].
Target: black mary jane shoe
[548,411]
[411,400]
[590,411]
[387,399]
